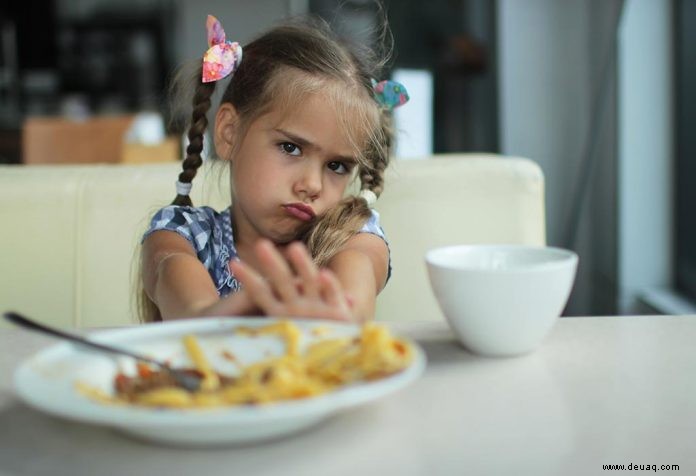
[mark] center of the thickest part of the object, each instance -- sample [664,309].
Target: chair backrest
[70,232]
[448,200]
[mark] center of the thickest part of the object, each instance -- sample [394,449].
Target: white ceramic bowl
[501,300]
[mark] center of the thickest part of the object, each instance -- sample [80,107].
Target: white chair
[70,232]
[448,200]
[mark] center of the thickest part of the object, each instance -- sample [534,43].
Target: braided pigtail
[146,309]
[193,160]
[331,231]
[372,172]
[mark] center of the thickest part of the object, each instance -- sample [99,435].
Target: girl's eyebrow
[297,139]
[301,141]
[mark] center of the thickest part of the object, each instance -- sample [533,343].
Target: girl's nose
[308,184]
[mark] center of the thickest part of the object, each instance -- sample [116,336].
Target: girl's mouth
[300,211]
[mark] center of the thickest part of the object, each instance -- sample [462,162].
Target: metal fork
[188,381]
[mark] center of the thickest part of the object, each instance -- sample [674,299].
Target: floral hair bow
[223,56]
[390,94]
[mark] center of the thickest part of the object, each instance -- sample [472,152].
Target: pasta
[324,366]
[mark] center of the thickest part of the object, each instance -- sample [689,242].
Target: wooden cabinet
[54,140]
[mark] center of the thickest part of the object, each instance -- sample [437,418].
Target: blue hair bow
[390,94]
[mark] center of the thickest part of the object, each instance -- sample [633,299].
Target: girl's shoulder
[190,222]
[210,235]
[182,215]
[373,226]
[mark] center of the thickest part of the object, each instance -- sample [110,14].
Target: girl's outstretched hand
[293,287]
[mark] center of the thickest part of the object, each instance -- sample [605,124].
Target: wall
[241,20]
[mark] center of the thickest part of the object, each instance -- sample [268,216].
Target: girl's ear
[226,123]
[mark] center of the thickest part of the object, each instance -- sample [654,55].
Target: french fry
[211,381]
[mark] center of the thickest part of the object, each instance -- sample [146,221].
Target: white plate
[47,380]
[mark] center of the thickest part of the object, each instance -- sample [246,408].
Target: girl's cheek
[340,181]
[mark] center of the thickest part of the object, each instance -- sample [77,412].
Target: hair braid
[371,173]
[331,231]
[372,177]
[199,122]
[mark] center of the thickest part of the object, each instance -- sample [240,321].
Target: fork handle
[27,323]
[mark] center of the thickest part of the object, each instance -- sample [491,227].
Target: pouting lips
[300,210]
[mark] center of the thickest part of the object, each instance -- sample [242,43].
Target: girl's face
[288,169]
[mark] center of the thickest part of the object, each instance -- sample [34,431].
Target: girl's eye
[339,167]
[290,148]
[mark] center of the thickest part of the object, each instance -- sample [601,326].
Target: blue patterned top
[210,233]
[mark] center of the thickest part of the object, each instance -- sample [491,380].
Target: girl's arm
[178,283]
[361,267]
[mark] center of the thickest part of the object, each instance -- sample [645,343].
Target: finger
[255,286]
[277,270]
[307,271]
[334,296]
[331,289]
[350,301]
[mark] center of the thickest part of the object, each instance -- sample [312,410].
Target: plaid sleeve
[373,227]
[192,223]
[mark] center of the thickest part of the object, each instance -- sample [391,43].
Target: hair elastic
[369,196]
[183,188]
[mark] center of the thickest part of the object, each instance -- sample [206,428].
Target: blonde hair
[278,69]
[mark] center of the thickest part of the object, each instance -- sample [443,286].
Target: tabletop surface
[600,391]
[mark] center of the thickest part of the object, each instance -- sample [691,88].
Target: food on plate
[322,366]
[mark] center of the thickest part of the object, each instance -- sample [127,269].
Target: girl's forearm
[182,287]
[354,270]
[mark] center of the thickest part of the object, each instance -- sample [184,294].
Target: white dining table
[599,391]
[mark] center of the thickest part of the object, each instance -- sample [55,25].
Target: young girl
[301,118]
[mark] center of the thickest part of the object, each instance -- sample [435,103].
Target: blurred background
[597,92]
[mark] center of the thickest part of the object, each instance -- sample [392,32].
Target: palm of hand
[292,287]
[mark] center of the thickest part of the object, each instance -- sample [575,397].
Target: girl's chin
[286,230]
[283,238]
